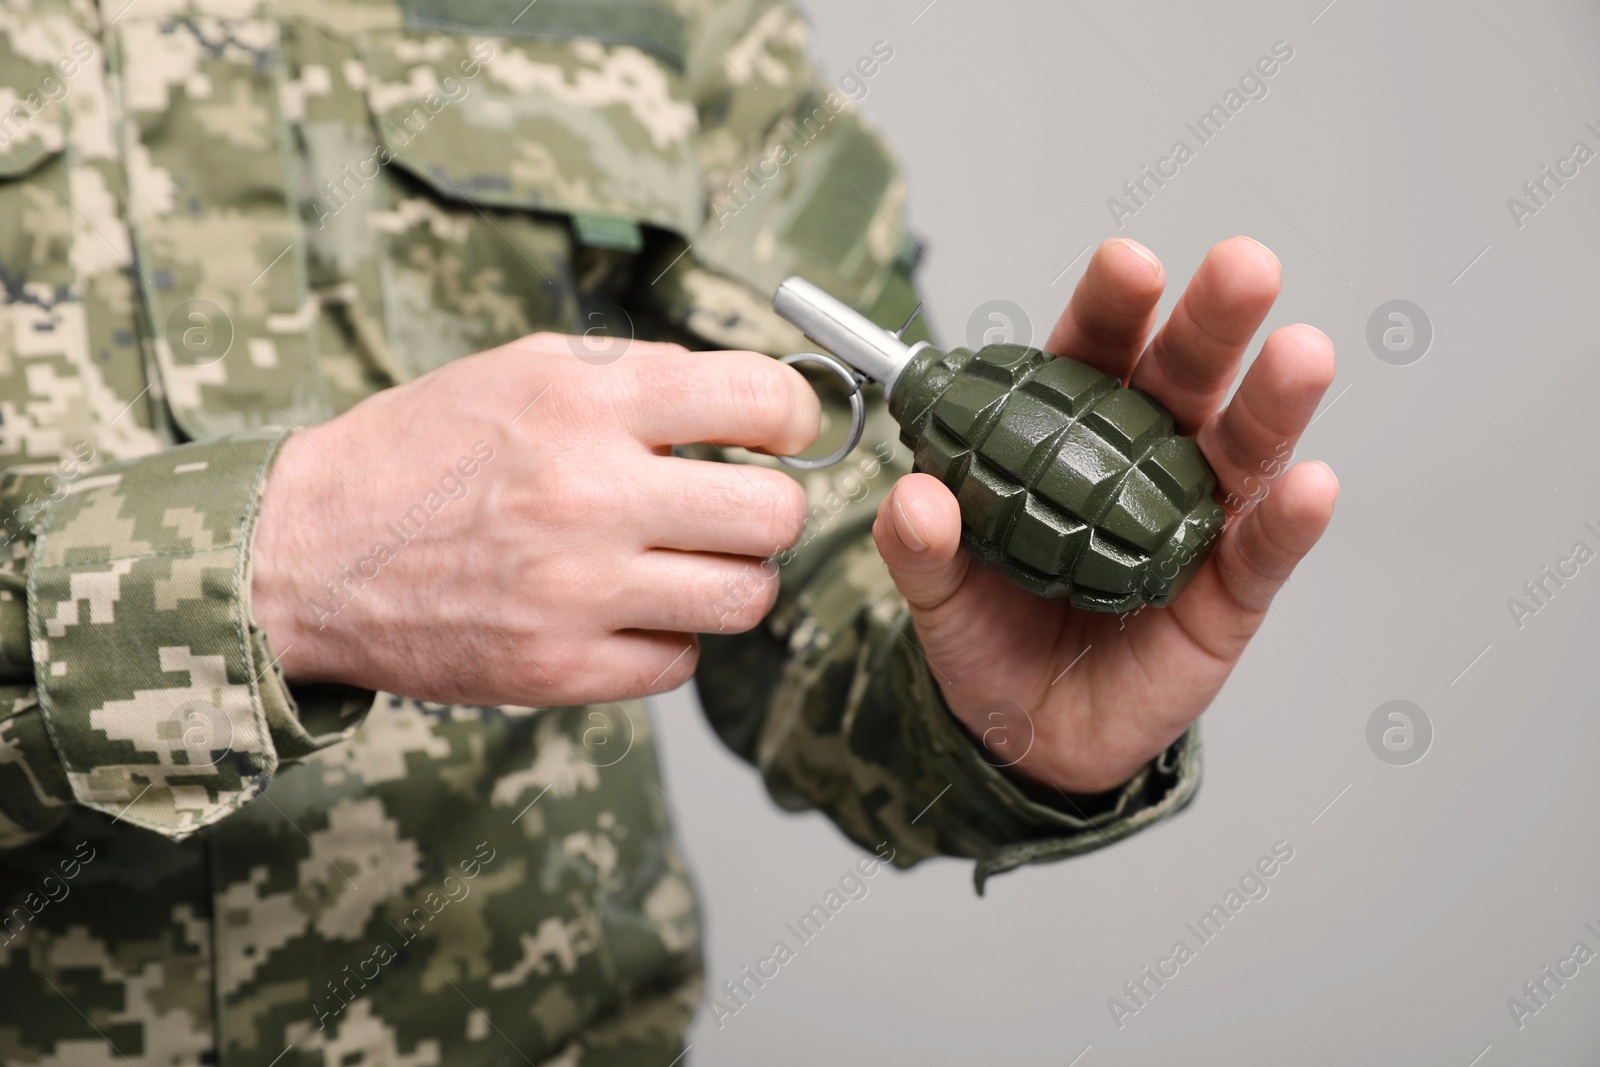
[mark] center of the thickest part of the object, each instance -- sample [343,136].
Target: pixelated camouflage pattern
[231,217]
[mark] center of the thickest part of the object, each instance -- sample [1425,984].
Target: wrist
[1046,749]
[284,560]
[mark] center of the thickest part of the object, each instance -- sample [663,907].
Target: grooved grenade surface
[1076,484]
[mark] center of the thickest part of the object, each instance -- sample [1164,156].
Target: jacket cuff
[1031,823]
[161,697]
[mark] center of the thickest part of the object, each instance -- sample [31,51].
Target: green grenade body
[1074,483]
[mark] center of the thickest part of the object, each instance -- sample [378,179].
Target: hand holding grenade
[1072,482]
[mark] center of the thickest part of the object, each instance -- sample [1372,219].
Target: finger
[549,342]
[1194,357]
[692,593]
[1112,310]
[918,532]
[1256,556]
[701,506]
[1249,443]
[637,663]
[724,398]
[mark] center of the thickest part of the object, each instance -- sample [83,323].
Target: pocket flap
[575,127]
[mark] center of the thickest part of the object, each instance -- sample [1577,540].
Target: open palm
[1099,695]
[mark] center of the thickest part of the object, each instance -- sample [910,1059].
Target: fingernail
[1141,251]
[908,532]
[1258,244]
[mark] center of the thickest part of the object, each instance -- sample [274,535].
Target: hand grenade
[1072,482]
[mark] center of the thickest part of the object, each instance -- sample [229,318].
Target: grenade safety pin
[1075,484]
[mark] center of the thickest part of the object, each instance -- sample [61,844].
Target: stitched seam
[242,623]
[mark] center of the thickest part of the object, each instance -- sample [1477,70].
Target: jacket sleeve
[831,698]
[132,679]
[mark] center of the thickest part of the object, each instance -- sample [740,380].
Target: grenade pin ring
[858,410]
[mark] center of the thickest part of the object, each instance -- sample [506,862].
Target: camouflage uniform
[220,218]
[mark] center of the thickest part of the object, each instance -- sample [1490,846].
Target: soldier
[315,383]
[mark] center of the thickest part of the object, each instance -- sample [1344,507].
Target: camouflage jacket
[222,218]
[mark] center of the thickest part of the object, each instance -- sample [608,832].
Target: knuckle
[539,345]
[559,662]
[572,492]
[651,383]
[758,592]
[568,503]
[770,509]
[675,377]
[749,617]
[767,596]
[787,513]
[761,389]
[570,583]
[745,615]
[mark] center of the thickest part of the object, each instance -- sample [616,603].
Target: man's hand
[513,529]
[1087,724]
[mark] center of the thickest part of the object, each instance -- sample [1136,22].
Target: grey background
[1378,168]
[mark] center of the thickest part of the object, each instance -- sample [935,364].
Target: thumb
[918,532]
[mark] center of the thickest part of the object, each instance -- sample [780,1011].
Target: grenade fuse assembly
[1074,483]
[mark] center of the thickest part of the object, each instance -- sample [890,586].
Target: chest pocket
[321,208]
[221,268]
[493,155]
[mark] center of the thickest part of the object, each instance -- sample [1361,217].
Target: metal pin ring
[858,411]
